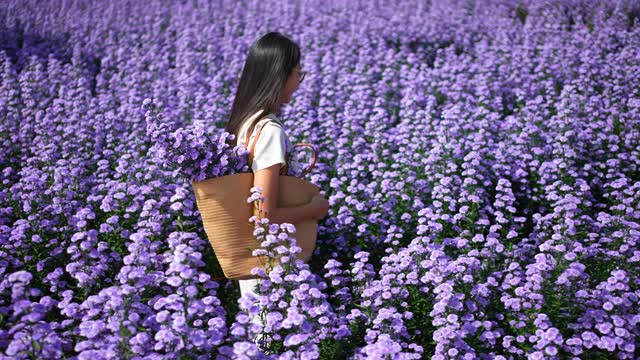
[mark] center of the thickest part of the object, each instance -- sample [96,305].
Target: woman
[271,74]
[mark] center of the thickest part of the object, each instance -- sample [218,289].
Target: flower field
[481,159]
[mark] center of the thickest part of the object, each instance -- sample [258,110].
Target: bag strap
[250,130]
[255,141]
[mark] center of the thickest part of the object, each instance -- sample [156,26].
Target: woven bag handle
[313,160]
[255,141]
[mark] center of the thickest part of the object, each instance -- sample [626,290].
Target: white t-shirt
[273,143]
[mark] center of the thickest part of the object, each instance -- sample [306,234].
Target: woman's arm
[267,178]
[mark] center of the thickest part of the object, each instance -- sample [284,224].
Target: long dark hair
[269,64]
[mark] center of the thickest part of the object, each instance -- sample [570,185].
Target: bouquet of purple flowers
[196,151]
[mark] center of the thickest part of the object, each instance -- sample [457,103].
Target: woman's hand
[320,206]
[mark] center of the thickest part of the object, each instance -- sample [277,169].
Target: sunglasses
[302,74]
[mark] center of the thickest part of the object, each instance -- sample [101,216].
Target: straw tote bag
[225,213]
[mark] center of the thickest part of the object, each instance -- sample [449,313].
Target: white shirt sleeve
[270,148]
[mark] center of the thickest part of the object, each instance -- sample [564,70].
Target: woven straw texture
[222,203]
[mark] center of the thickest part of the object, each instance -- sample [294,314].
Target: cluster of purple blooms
[481,160]
[197,151]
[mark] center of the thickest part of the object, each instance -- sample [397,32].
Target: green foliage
[521,13]
[421,304]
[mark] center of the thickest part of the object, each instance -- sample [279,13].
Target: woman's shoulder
[273,129]
[270,124]
[274,120]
